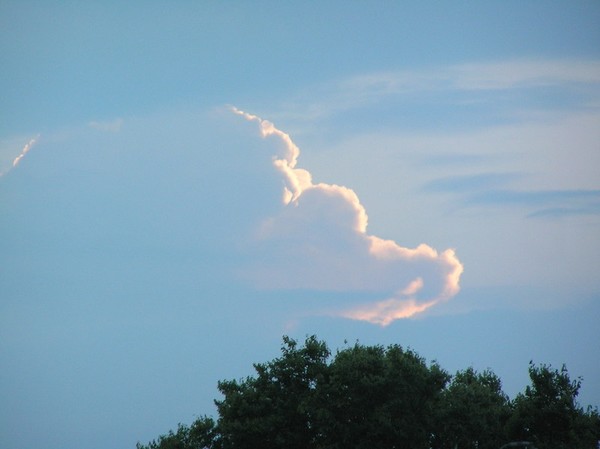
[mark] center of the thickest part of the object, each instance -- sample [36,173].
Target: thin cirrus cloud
[468,183]
[543,203]
[476,76]
[112,126]
[319,241]
[493,189]
[472,82]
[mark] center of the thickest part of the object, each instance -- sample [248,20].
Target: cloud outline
[359,260]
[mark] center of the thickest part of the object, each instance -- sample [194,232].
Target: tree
[200,435]
[547,412]
[366,394]
[376,394]
[472,412]
[385,397]
[275,408]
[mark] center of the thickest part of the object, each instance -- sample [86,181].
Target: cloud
[525,73]
[469,183]
[107,126]
[458,85]
[183,202]
[475,76]
[490,189]
[26,148]
[319,241]
[543,203]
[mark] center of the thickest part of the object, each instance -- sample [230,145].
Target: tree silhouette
[386,397]
[547,412]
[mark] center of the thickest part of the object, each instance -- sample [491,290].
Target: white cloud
[319,241]
[468,80]
[24,151]
[475,76]
[490,180]
[5,167]
[524,73]
[112,126]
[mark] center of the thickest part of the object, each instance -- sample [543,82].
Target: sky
[183,183]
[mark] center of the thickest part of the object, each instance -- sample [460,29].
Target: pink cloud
[319,240]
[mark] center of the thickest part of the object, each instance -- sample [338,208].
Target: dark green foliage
[376,397]
[547,412]
[275,408]
[200,435]
[472,412]
[376,394]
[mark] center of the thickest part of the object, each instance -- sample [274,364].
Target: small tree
[472,412]
[547,412]
[383,395]
[200,435]
[275,409]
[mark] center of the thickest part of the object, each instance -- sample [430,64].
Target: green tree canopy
[472,412]
[372,393]
[548,414]
[385,397]
[275,409]
[200,435]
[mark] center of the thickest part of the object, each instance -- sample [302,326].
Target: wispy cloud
[498,189]
[319,241]
[475,76]
[542,203]
[470,81]
[494,189]
[111,126]
[469,183]
[26,148]
[524,73]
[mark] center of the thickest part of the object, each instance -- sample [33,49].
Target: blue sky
[182,184]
